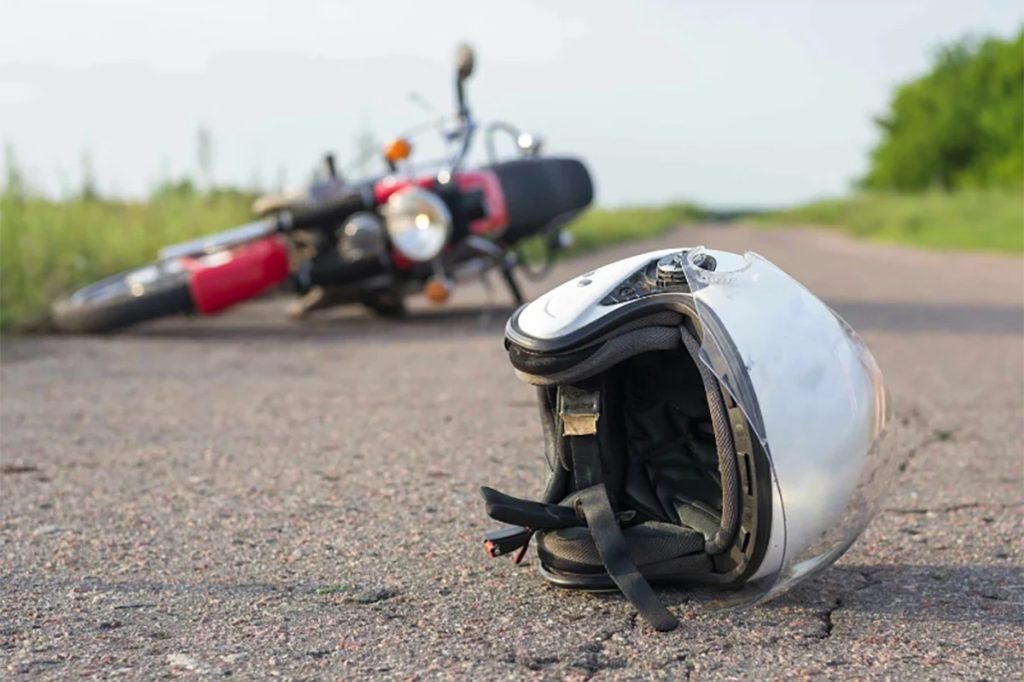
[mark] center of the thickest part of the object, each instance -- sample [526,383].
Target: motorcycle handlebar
[334,209]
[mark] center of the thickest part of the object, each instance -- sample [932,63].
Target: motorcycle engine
[361,237]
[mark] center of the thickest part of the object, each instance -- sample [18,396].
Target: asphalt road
[251,498]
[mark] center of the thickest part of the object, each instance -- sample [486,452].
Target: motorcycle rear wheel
[122,300]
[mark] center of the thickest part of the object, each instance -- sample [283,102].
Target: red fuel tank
[222,279]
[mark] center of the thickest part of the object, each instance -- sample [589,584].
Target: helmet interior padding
[645,463]
[671,476]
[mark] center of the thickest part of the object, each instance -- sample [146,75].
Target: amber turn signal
[397,150]
[437,290]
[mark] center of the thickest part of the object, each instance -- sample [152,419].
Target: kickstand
[509,274]
[307,303]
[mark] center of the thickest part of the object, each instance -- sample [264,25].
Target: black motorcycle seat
[539,191]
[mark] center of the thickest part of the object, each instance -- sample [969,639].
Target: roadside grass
[983,220]
[602,227]
[48,248]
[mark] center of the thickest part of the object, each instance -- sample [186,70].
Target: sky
[728,104]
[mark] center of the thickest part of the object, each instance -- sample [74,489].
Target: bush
[960,126]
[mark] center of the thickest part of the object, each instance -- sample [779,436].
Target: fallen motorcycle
[372,242]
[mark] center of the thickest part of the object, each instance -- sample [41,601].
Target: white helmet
[707,421]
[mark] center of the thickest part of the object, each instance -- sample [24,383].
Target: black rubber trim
[598,581]
[675,301]
[546,363]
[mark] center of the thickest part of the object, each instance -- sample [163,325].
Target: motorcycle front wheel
[138,295]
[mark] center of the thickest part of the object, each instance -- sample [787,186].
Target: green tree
[961,125]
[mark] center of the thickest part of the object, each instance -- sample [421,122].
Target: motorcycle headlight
[418,223]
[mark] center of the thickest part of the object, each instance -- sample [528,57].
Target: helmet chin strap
[579,412]
[611,546]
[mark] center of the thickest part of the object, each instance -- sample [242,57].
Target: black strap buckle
[508,540]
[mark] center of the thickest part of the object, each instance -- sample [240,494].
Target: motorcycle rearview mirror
[330,168]
[464,61]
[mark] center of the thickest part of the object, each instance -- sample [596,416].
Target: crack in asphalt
[829,624]
[953,508]
[869,577]
[936,436]
[826,619]
[593,660]
[589,658]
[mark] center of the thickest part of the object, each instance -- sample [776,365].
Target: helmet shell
[811,390]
